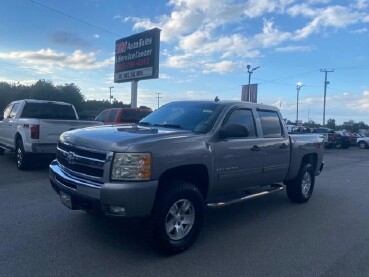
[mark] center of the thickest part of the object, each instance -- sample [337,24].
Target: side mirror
[234,131]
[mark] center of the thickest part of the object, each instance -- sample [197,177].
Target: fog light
[118,210]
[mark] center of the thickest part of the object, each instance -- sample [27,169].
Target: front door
[238,161]
[5,125]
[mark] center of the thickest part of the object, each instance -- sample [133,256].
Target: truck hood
[119,137]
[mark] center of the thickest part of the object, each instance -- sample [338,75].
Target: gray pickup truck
[181,158]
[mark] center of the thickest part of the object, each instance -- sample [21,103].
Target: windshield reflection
[198,117]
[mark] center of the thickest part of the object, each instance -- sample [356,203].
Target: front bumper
[137,198]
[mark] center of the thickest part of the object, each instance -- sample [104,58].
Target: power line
[74,18]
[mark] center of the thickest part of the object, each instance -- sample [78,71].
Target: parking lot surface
[270,236]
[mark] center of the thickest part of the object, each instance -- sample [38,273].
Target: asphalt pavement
[270,236]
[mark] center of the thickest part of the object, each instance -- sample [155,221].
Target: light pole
[325,90]
[158,96]
[298,87]
[250,72]
[110,97]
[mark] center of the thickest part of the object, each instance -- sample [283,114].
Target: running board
[272,189]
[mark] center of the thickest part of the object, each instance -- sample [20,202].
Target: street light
[250,72]
[111,97]
[298,87]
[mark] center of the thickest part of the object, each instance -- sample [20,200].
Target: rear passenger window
[243,117]
[112,115]
[270,124]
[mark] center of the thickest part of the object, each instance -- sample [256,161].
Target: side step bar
[272,189]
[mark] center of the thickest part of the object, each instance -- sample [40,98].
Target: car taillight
[35,131]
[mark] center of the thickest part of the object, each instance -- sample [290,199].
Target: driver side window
[243,117]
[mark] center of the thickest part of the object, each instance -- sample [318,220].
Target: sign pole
[134,85]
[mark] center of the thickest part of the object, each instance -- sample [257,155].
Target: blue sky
[205,48]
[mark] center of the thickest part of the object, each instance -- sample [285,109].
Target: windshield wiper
[168,125]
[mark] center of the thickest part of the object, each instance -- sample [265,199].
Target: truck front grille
[81,162]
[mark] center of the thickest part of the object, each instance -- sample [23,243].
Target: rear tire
[2,151]
[22,158]
[300,189]
[362,144]
[177,218]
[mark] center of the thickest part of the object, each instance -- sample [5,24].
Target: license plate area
[66,200]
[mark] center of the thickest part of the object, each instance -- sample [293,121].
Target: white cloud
[360,31]
[221,67]
[164,76]
[26,82]
[361,4]
[199,29]
[294,49]
[51,58]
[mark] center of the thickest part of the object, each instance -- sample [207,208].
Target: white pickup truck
[32,127]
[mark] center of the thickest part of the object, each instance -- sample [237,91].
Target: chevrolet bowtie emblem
[71,157]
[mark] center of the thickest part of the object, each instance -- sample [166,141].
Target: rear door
[238,161]
[275,147]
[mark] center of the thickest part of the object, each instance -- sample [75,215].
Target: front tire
[177,218]
[23,159]
[300,189]
[362,144]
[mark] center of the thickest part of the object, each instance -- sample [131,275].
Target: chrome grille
[81,162]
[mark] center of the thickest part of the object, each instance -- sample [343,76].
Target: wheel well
[310,159]
[196,174]
[17,137]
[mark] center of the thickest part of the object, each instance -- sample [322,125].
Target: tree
[331,123]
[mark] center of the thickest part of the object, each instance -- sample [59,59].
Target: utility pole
[250,72]
[298,87]
[325,90]
[110,97]
[158,97]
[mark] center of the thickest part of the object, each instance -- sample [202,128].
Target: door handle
[283,146]
[255,148]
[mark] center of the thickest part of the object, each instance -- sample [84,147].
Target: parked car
[179,158]
[332,138]
[363,142]
[122,115]
[32,127]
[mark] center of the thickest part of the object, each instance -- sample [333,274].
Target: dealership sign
[137,57]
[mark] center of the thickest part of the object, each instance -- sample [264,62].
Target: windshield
[198,117]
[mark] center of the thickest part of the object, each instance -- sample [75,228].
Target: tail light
[35,131]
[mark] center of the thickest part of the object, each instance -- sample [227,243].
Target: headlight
[131,166]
